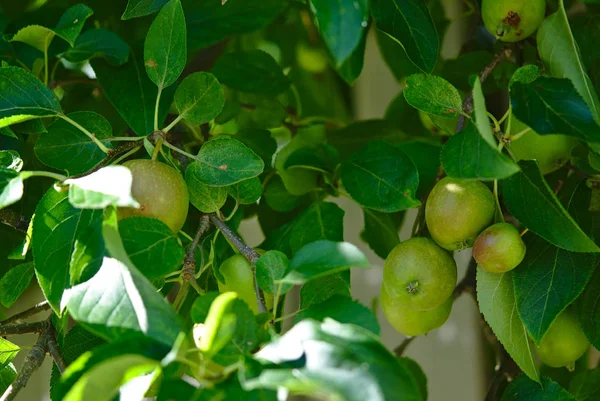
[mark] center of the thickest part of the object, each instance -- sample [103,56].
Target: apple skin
[412,322]
[457,211]
[512,20]
[311,59]
[161,192]
[418,274]
[564,342]
[499,248]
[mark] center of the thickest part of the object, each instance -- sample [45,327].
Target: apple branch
[23,328]
[249,253]
[19,317]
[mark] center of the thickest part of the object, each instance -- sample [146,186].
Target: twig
[54,351]
[13,219]
[579,172]
[249,253]
[42,306]
[23,328]
[399,350]
[467,105]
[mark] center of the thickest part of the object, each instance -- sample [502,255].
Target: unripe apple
[457,211]
[161,192]
[412,322]
[311,59]
[564,342]
[499,248]
[512,20]
[418,274]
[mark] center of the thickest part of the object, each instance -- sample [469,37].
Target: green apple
[512,20]
[499,248]
[564,342]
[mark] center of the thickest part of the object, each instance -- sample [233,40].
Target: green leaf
[204,198]
[417,372]
[88,251]
[219,324]
[165,48]
[98,43]
[201,306]
[410,24]
[152,247]
[8,374]
[8,351]
[352,67]
[335,361]
[10,159]
[522,388]
[278,198]
[118,300]
[65,147]
[270,268]
[381,177]
[587,310]
[467,155]
[560,54]
[224,161]
[261,142]
[481,117]
[69,27]
[547,281]
[496,298]
[553,106]
[380,232]
[321,220]
[108,186]
[344,310]
[322,258]
[529,198]
[253,71]
[246,192]
[24,97]
[11,187]
[426,157]
[14,283]
[321,157]
[342,24]
[209,22]
[321,289]
[433,95]
[584,385]
[131,92]
[139,8]
[6,131]
[199,98]
[56,227]
[245,336]
[102,382]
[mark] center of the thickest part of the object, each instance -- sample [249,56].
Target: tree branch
[249,253]
[23,328]
[54,351]
[399,350]
[467,105]
[188,272]
[19,317]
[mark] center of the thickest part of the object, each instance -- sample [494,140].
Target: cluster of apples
[419,274]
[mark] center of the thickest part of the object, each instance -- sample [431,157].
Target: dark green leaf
[395,57]
[165,49]
[212,21]
[56,227]
[253,71]
[204,198]
[496,298]
[587,310]
[101,43]
[321,289]
[199,98]
[131,92]
[8,374]
[65,147]
[201,306]
[111,185]
[553,106]
[426,156]
[321,157]
[6,131]
[278,198]
[321,258]
[24,96]
[13,283]
[480,113]
[433,95]
[344,310]
[336,361]
[139,8]
[381,177]
[88,251]
[342,25]
[530,199]
[417,372]
[152,247]
[560,54]
[467,155]
[8,351]
[270,268]
[380,232]
[245,336]
[261,142]
[584,386]
[11,187]
[352,67]
[523,388]
[246,192]
[224,161]
[321,220]
[410,24]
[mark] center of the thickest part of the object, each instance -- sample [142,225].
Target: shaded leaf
[204,198]
[199,98]
[11,187]
[246,192]
[587,310]
[432,94]
[523,388]
[584,385]
[13,284]
[380,232]
[139,8]
[101,43]
[270,268]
